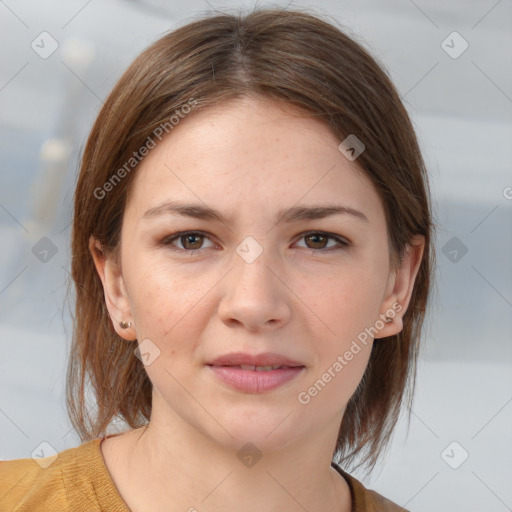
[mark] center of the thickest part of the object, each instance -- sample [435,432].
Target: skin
[250,157]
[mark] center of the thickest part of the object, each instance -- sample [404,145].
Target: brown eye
[318,241]
[189,241]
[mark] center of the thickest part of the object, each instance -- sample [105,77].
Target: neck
[173,468]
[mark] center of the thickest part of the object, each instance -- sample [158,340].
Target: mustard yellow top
[78,481]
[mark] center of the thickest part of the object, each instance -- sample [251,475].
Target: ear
[399,288]
[116,297]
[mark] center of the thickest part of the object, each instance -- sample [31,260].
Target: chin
[267,428]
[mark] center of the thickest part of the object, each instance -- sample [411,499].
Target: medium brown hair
[293,57]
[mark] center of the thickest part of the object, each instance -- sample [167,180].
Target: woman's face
[270,272]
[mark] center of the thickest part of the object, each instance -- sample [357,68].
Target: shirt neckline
[357,490]
[113,491]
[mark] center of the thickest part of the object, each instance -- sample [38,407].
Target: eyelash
[167,242]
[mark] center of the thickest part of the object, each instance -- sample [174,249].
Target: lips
[255,373]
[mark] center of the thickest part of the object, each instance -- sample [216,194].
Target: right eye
[190,240]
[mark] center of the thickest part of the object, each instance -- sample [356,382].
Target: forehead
[249,156]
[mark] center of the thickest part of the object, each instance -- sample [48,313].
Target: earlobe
[402,282]
[116,297]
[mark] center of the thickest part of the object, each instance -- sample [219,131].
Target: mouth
[255,374]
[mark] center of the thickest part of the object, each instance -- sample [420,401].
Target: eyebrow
[286,215]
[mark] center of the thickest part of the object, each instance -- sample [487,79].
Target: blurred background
[451,62]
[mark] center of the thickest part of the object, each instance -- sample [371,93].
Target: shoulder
[70,480]
[366,500]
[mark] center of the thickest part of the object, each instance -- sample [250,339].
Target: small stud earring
[388,319]
[125,325]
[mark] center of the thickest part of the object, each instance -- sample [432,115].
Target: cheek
[344,305]
[335,379]
[346,300]
[163,299]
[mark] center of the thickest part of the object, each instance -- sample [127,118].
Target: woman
[252,260]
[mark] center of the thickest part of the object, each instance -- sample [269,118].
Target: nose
[254,295]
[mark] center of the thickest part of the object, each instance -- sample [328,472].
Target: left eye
[191,240]
[321,238]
